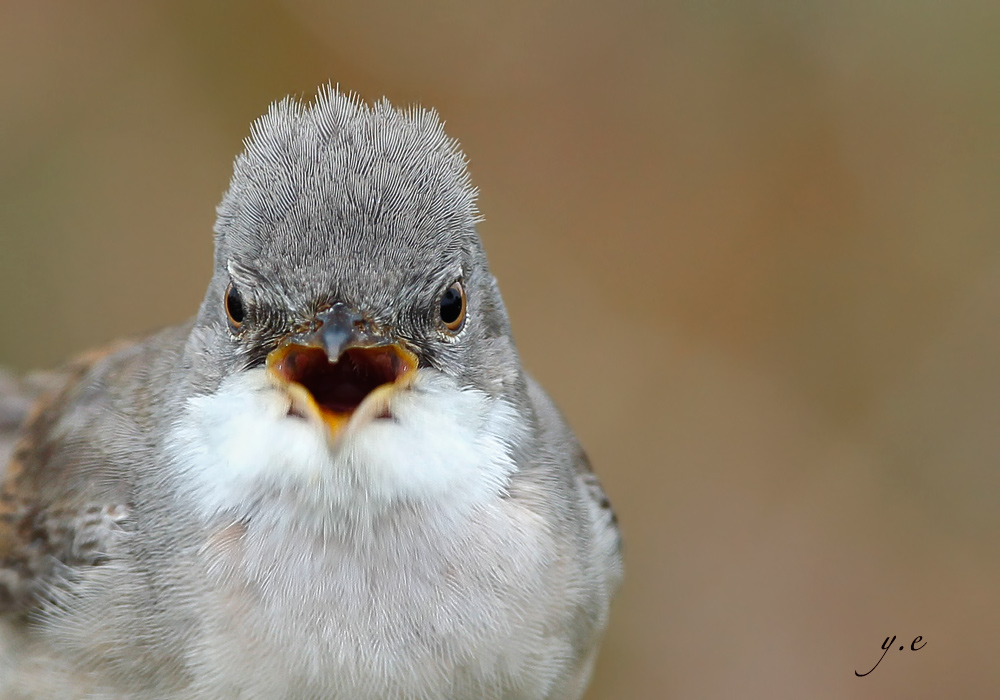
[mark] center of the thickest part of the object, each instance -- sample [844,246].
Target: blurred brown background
[751,248]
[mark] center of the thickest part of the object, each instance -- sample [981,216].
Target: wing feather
[49,518]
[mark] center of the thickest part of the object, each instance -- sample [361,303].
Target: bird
[336,481]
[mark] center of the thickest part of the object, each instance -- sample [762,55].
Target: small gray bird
[336,482]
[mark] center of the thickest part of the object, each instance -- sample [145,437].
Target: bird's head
[352,347]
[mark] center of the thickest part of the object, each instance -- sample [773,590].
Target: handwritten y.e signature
[885,647]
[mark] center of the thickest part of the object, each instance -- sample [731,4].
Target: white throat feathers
[442,446]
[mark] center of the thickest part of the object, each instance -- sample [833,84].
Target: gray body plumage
[167,531]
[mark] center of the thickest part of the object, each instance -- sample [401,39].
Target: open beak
[342,365]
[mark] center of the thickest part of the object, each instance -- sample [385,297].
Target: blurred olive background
[751,248]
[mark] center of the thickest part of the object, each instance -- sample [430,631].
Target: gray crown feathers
[373,164]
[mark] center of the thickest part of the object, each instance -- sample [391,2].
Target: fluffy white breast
[451,596]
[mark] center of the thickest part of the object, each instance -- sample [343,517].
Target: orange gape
[333,389]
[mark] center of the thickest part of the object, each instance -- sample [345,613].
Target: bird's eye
[453,307]
[234,307]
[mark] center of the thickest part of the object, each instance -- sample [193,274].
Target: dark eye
[453,307]
[234,307]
